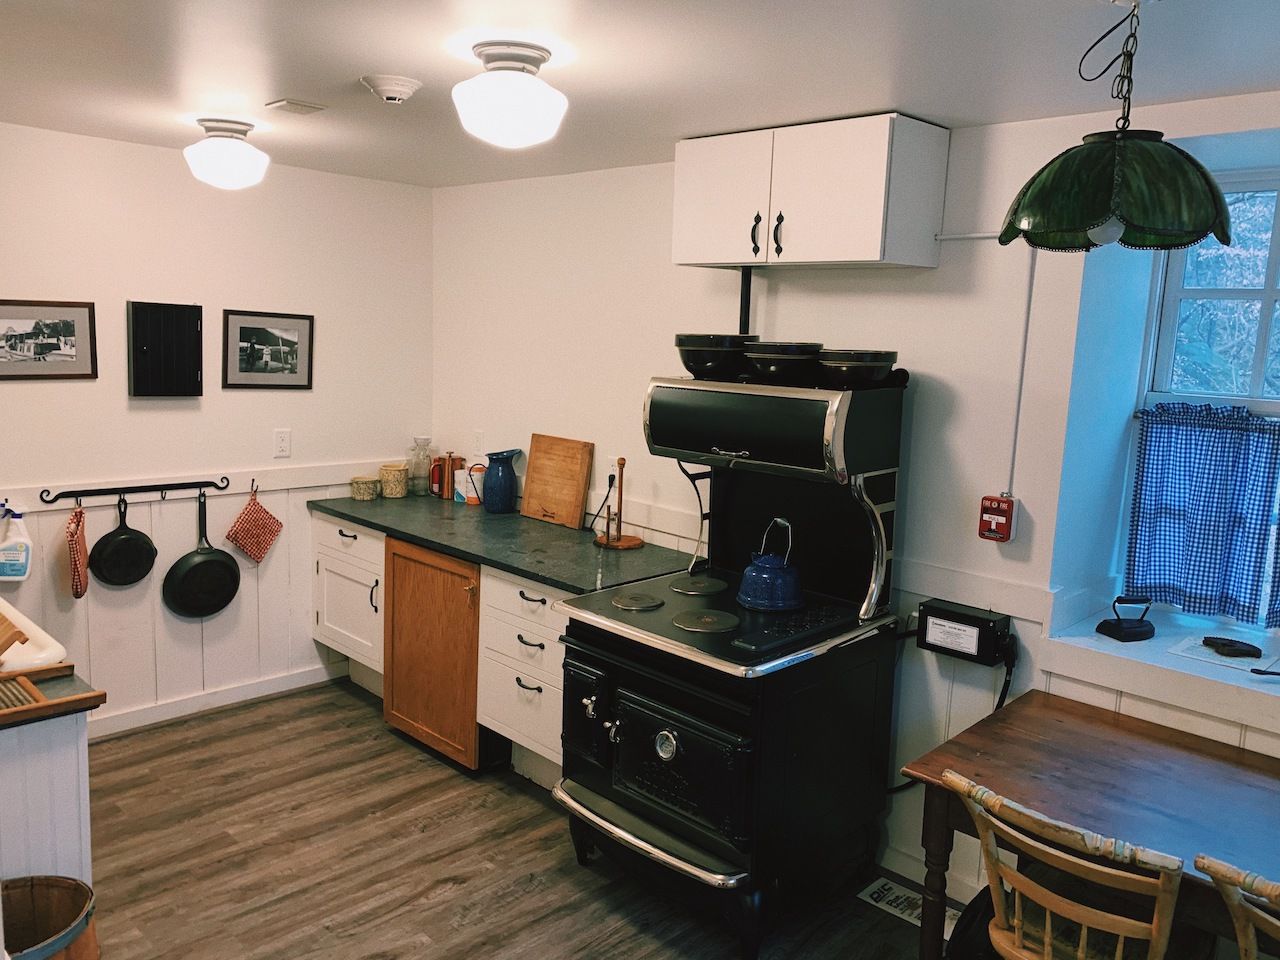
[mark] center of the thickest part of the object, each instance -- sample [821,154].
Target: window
[1219,318]
[1204,519]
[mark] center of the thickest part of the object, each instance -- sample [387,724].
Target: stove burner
[698,586]
[705,621]
[635,600]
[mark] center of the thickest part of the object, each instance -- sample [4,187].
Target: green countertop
[545,552]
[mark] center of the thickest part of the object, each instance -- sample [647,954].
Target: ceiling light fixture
[509,105]
[224,158]
[1119,185]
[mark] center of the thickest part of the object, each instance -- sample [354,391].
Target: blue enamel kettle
[500,482]
[770,583]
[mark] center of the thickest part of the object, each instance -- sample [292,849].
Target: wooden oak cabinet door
[721,187]
[431,649]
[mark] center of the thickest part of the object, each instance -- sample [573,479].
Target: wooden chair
[1237,888]
[1034,922]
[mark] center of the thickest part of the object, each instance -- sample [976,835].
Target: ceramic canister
[395,479]
[364,488]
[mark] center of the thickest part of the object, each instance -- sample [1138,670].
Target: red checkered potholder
[255,530]
[79,554]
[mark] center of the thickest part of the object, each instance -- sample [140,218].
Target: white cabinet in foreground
[520,685]
[348,589]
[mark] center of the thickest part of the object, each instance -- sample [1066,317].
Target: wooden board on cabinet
[431,649]
[555,486]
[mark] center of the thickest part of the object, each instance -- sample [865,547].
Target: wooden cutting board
[555,485]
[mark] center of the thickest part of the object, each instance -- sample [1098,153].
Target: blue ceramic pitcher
[500,482]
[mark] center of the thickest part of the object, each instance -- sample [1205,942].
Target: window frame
[1167,285]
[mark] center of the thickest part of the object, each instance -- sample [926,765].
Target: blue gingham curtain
[1202,501]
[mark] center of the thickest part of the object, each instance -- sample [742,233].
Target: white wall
[108,222]
[574,304]
[105,221]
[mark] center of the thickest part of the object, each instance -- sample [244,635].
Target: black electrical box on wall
[979,636]
[165,354]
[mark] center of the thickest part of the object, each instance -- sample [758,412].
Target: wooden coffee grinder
[613,519]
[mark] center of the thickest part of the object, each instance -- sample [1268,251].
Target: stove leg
[583,845]
[749,914]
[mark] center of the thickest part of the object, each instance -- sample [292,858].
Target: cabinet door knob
[371,590]
[471,589]
[590,704]
[755,233]
[524,686]
[777,235]
[525,596]
[528,643]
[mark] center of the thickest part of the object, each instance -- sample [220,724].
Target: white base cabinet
[348,588]
[520,686]
[866,190]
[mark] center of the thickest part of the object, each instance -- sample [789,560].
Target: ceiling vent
[295,106]
[391,89]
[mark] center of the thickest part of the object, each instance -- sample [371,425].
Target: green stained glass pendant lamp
[1120,185]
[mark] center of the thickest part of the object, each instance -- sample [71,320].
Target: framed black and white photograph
[269,351]
[47,340]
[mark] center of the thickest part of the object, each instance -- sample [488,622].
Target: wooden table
[1122,777]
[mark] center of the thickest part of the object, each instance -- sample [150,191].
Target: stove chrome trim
[721,881]
[685,652]
[833,428]
[880,547]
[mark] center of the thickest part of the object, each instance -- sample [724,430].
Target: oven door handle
[722,881]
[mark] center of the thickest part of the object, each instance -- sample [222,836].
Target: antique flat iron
[1128,629]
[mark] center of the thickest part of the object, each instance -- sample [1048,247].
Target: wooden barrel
[49,918]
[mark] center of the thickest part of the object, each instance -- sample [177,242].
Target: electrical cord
[613,477]
[1010,661]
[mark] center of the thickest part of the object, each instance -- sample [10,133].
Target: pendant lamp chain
[1122,85]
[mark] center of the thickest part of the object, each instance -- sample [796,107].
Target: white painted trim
[293,477]
[129,720]
[959,888]
[1022,601]
[1070,608]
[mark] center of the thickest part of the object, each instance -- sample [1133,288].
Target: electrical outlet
[283,443]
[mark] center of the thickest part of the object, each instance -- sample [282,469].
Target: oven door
[683,766]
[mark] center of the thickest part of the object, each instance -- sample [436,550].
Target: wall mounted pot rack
[47,496]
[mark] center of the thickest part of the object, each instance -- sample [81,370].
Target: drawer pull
[348,536]
[524,686]
[525,596]
[540,646]
[371,589]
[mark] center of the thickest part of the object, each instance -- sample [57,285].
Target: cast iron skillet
[202,582]
[124,556]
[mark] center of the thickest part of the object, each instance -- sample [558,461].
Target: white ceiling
[647,72]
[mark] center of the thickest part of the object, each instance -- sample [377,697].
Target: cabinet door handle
[371,590]
[777,235]
[471,590]
[755,233]
[540,646]
[347,536]
[524,686]
[525,596]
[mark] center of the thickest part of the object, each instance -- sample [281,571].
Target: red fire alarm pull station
[998,519]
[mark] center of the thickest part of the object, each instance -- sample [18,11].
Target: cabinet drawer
[523,598]
[344,539]
[530,717]
[531,646]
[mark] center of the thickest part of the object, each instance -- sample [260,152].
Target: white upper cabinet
[868,190]
[721,207]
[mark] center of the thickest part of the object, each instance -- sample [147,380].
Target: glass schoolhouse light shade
[509,105]
[224,158]
[1126,186]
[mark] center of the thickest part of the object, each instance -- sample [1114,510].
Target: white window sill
[1147,668]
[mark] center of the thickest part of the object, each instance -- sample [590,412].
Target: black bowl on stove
[714,356]
[855,369]
[791,364]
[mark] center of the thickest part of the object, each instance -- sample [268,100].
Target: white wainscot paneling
[1200,724]
[1090,693]
[44,799]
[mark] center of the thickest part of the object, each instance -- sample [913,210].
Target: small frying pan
[202,582]
[124,556]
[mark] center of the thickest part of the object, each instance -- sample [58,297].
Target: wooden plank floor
[301,827]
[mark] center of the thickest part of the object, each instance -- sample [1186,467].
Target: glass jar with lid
[420,467]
